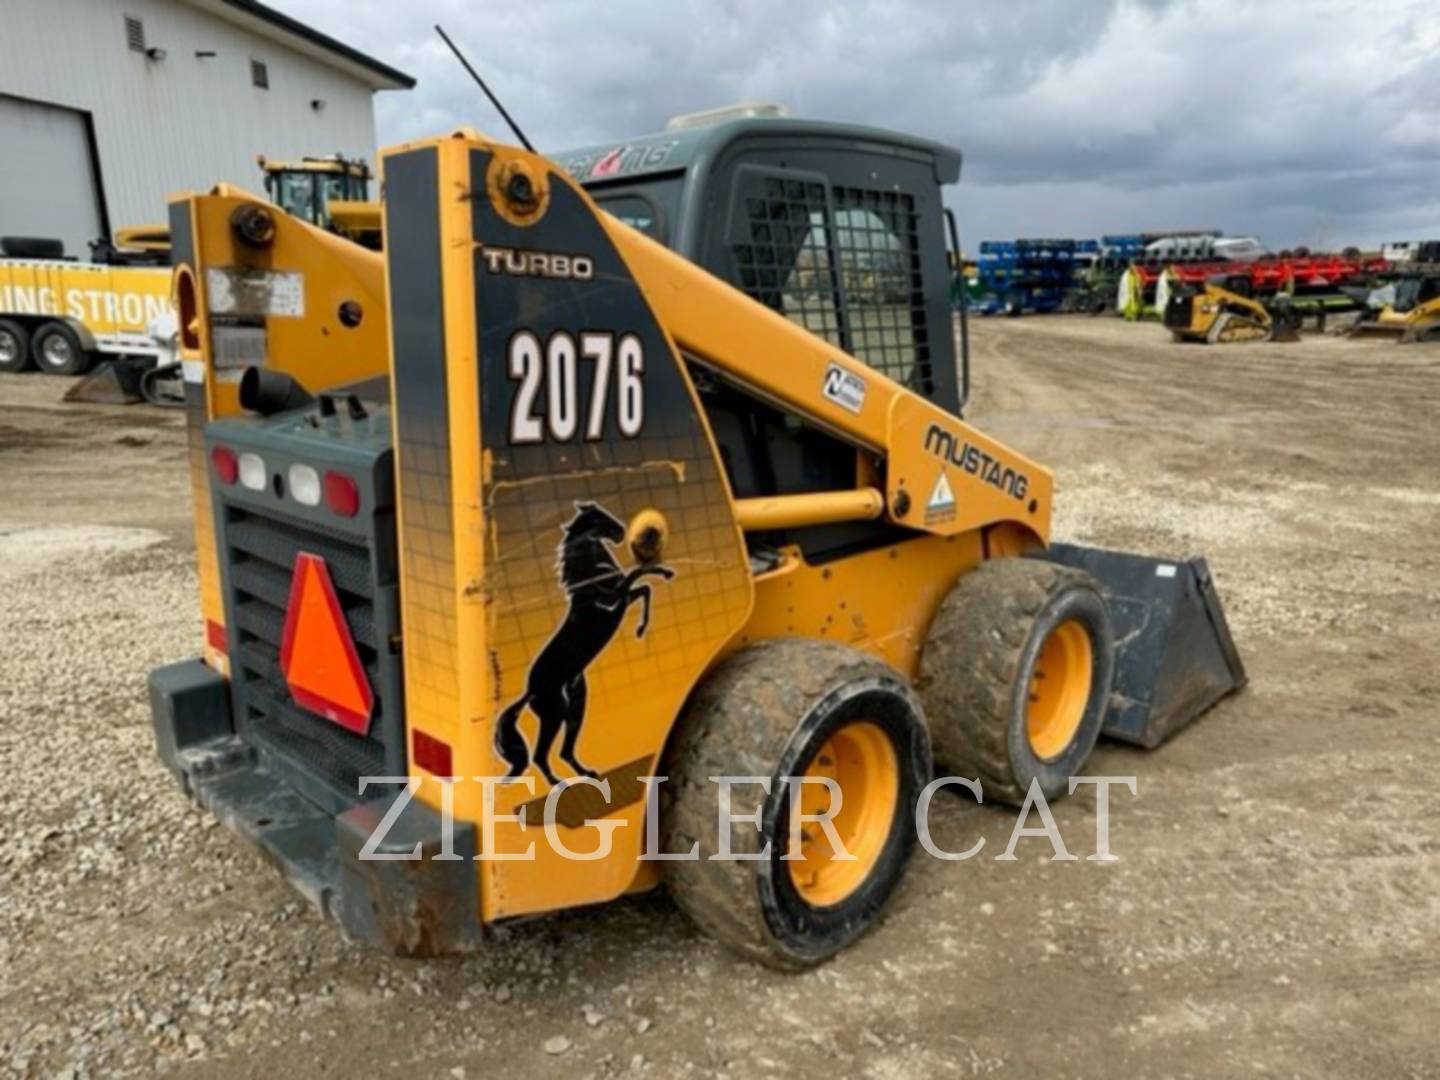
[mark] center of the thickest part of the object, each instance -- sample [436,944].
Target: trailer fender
[83,332]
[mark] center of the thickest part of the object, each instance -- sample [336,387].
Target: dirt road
[1275,908]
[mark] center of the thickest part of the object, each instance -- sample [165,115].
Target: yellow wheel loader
[332,192]
[618,527]
[1210,313]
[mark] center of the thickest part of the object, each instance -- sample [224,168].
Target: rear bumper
[410,907]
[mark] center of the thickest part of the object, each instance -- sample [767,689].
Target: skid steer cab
[611,476]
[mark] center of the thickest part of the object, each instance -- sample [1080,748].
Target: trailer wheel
[779,710]
[14,346]
[58,351]
[1016,676]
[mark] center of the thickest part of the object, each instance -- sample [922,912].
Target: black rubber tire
[976,667]
[19,339]
[766,711]
[79,360]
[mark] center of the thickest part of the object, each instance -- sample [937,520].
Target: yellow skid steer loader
[1413,312]
[623,508]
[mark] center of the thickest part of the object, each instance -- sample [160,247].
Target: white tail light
[305,485]
[252,472]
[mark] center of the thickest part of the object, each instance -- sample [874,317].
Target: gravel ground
[1273,911]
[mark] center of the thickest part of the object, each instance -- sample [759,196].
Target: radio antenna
[481,83]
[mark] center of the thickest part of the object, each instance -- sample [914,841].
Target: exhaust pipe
[268,392]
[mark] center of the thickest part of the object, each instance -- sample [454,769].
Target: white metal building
[109,106]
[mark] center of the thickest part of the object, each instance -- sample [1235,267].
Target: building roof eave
[267,22]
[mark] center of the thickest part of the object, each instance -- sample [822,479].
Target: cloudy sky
[1300,121]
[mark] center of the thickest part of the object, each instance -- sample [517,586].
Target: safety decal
[256,294]
[941,504]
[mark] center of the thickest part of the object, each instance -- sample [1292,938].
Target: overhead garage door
[47,181]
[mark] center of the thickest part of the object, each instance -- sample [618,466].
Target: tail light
[431,754]
[227,468]
[342,494]
[215,636]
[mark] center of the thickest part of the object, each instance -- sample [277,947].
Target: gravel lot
[1274,910]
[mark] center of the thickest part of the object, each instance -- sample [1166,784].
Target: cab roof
[684,148]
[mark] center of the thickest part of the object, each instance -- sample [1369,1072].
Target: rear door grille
[260,557]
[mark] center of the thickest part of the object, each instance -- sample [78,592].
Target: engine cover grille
[261,556]
[260,534]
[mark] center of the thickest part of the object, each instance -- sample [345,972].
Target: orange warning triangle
[317,652]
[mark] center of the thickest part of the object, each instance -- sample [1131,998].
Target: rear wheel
[1016,676]
[14,346]
[781,710]
[58,350]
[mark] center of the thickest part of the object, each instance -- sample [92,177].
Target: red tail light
[342,494]
[227,465]
[431,754]
[215,636]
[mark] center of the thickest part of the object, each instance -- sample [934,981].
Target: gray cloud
[1303,121]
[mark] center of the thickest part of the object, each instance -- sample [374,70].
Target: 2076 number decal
[555,370]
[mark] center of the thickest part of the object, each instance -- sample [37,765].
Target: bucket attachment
[115,382]
[1174,656]
[1284,323]
[1374,328]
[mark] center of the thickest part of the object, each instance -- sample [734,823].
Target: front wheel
[848,735]
[1016,676]
[58,350]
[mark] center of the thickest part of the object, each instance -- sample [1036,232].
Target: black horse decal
[600,594]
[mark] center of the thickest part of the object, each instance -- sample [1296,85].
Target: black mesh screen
[880,272]
[845,264]
[787,264]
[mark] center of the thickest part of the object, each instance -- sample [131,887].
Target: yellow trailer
[62,316]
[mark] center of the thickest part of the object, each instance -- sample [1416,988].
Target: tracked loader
[643,462]
[1212,314]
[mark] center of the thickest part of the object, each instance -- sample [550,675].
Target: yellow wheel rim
[861,760]
[1059,690]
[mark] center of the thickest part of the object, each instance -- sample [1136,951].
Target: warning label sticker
[941,506]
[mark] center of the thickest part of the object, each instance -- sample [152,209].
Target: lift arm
[940,474]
